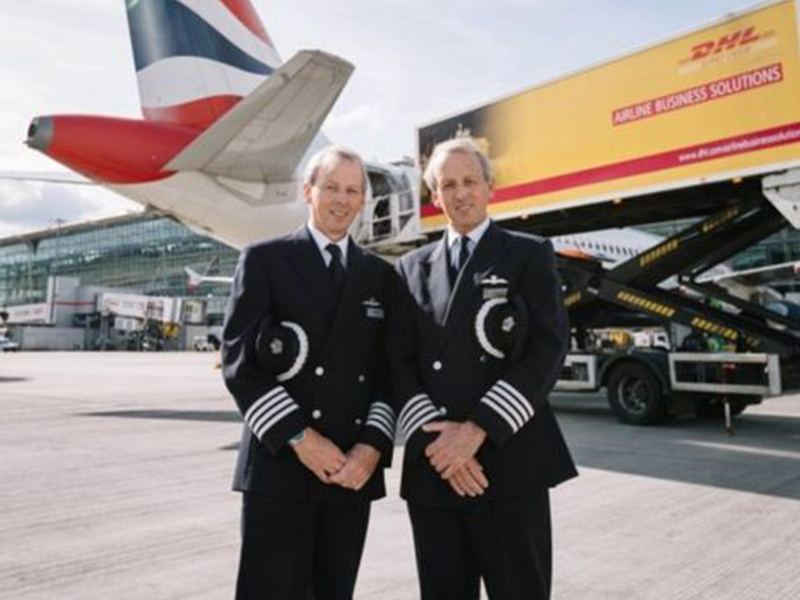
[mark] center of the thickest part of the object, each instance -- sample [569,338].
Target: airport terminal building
[112,280]
[58,277]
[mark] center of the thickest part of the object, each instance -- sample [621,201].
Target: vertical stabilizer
[195,59]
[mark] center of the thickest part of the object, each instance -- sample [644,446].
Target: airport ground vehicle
[704,125]
[6,345]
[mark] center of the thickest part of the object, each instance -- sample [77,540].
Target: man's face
[462,192]
[336,197]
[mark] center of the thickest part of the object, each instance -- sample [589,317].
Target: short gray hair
[462,145]
[331,154]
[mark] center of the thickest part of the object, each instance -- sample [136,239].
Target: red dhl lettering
[727,42]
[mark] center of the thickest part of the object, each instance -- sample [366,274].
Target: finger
[456,485]
[435,426]
[476,471]
[438,465]
[470,483]
[344,474]
[449,471]
[432,448]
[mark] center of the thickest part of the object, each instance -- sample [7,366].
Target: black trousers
[293,550]
[506,542]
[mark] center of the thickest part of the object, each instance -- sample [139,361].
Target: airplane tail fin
[193,279]
[195,59]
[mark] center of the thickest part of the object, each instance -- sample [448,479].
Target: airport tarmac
[116,469]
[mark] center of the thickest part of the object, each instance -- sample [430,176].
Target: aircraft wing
[761,275]
[264,137]
[46,177]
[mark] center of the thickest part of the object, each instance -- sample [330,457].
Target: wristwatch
[296,439]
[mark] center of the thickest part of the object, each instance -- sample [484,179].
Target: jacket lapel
[309,267]
[438,281]
[483,260]
[349,304]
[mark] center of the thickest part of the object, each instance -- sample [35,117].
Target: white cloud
[31,206]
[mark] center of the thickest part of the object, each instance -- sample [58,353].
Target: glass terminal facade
[143,251]
[148,253]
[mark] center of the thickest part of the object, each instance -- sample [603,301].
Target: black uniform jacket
[340,391]
[441,372]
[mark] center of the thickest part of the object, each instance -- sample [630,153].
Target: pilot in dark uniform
[304,356]
[471,378]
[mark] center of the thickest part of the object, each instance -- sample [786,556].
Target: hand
[456,444]
[320,455]
[469,480]
[362,460]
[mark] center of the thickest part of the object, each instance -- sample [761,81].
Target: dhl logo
[725,43]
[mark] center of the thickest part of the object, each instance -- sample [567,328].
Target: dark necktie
[454,268]
[463,253]
[336,268]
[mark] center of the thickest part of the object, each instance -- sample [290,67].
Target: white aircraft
[227,125]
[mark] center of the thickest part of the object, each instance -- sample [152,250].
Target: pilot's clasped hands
[452,454]
[332,466]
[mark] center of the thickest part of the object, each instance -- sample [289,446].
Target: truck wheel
[635,395]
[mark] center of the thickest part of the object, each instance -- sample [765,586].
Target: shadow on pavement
[763,456]
[220,416]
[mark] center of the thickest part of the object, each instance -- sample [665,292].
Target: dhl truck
[704,124]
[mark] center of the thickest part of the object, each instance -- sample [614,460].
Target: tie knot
[335,252]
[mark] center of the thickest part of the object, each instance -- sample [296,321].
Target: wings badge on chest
[492,286]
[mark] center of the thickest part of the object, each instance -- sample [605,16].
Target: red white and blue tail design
[195,59]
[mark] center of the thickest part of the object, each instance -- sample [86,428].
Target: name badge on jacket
[374,309]
[494,287]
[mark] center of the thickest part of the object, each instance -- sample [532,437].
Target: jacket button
[316,413]
[361,379]
[482,358]
[358,421]
[437,365]
[442,411]
[319,371]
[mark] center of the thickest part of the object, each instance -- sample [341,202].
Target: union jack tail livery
[195,59]
[227,125]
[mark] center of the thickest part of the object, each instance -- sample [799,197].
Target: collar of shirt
[322,241]
[474,236]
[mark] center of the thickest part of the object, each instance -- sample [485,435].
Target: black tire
[635,395]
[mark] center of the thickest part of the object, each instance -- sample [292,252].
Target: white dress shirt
[322,242]
[474,236]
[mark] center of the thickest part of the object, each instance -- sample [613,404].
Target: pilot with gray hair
[485,341]
[304,357]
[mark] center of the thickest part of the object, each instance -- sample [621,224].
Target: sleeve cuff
[274,418]
[379,430]
[416,412]
[502,411]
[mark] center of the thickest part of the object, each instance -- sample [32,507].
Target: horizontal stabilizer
[264,137]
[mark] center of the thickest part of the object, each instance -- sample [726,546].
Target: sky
[416,61]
